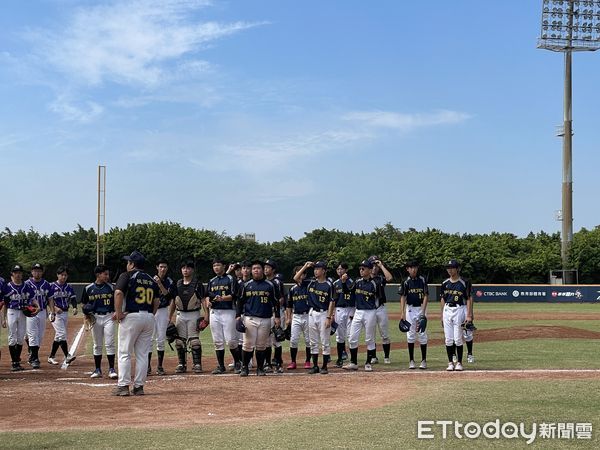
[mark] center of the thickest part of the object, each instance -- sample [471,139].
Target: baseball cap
[320,264]
[135,257]
[412,263]
[37,266]
[452,264]
[16,268]
[373,258]
[270,262]
[237,265]
[366,263]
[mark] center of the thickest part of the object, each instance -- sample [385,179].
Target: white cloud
[405,122]
[72,110]
[133,42]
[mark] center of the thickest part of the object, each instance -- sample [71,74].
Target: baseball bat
[74,346]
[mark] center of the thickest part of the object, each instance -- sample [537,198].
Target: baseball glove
[468,325]
[89,320]
[202,324]
[334,326]
[404,326]
[29,310]
[421,324]
[278,333]
[239,325]
[288,333]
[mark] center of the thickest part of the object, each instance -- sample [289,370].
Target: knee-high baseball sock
[354,355]
[459,353]
[470,348]
[236,355]
[161,357]
[64,347]
[454,349]
[267,355]
[340,349]
[55,345]
[307,354]
[13,353]
[325,361]
[411,351]
[315,359]
[260,359]
[386,350]
[279,355]
[423,352]
[18,350]
[111,361]
[149,358]
[97,361]
[450,352]
[246,358]
[293,353]
[34,352]
[220,357]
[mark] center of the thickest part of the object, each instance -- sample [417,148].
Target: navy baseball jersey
[165,300]
[320,294]
[455,293]
[297,299]
[42,289]
[343,299]
[222,285]
[365,293]
[63,295]
[101,296]
[139,289]
[414,289]
[16,296]
[257,299]
[279,289]
[380,279]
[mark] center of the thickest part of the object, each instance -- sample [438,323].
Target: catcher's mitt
[468,325]
[202,324]
[334,326]
[239,325]
[288,333]
[29,311]
[278,333]
[404,326]
[421,324]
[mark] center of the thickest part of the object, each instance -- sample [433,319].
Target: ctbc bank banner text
[548,293]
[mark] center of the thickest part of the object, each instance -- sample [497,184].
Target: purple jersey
[62,294]
[2,284]
[16,296]
[42,290]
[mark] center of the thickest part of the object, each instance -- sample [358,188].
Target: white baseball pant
[103,332]
[318,333]
[187,325]
[342,317]
[363,318]
[257,333]
[161,322]
[222,328]
[453,318]
[412,313]
[299,324]
[135,337]
[60,326]
[17,326]
[36,328]
[382,323]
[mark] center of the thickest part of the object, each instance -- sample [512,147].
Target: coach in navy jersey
[136,301]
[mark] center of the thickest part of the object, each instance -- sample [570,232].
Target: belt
[301,313]
[138,311]
[318,310]
[188,310]
[453,305]
[98,313]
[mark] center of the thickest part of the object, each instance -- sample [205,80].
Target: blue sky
[278,117]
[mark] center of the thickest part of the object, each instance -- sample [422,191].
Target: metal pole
[98,221]
[567,184]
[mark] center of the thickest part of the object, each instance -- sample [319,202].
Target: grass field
[553,397]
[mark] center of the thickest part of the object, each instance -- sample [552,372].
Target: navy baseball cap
[135,257]
[452,264]
[37,266]
[320,264]
[16,268]
[373,258]
[366,263]
[270,262]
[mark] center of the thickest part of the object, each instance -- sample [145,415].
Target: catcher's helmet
[421,324]
[404,326]
[239,325]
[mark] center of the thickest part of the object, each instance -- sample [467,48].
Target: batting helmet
[404,325]
[421,324]
[239,325]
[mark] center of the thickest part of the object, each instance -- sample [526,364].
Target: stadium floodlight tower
[569,26]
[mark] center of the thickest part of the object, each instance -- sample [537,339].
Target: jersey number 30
[144,295]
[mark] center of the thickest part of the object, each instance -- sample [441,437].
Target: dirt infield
[78,402]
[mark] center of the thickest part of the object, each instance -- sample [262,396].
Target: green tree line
[486,258]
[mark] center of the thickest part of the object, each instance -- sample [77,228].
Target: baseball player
[100,294]
[17,295]
[383,276]
[414,296]
[222,292]
[344,311]
[61,296]
[296,316]
[190,307]
[366,290]
[320,316]
[136,301]
[258,304]
[457,305]
[36,325]
[272,275]
[161,319]
[237,270]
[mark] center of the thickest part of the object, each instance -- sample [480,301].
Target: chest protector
[186,302]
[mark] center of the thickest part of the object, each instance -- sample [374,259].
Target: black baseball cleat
[324,371]
[339,363]
[219,370]
[138,390]
[315,369]
[260,373]
[267,368]
[237,368]
[181,368]
[278,368]
[244,372]
[121,391]
[160,371]
[35,364]
[70,359]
